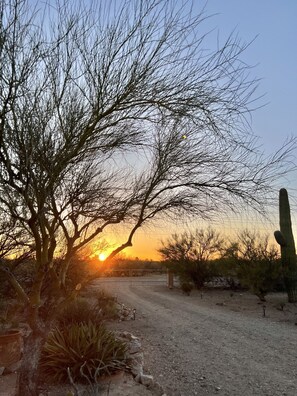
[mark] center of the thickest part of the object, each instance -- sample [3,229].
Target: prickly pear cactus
[285,239]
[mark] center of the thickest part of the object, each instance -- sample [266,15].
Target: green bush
[88,350]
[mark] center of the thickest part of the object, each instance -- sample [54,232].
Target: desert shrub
[24,274]
[4,286]
[227,269]
[260,276]
[79,270]
[88,350]
[279,285]
[80,310]
[94,308]
[107,305]
[11,312]
[190,255]
[186,287]
[254,262]
[194,272]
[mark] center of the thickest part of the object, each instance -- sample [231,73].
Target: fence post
[170,280]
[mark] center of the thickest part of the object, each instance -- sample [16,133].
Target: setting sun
[102,256]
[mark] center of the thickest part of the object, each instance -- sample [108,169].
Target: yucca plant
[81,345]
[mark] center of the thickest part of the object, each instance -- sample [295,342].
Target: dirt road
[192,346]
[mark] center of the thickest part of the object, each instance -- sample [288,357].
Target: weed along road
[200,345]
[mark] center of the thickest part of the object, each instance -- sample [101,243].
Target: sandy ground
[121,384]
[215,343]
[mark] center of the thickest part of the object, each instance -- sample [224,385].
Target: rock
[134,353]
[144,379]
[137,358]
[125,313]
[157,389]
[134,346]
[137,370]
[126,335]
[135,363]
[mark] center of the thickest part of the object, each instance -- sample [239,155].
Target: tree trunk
[29,369]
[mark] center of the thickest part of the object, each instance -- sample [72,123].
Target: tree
[190,255]
[116,115]
[255,262]
[15,250]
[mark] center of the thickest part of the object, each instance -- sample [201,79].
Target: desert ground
[214,342]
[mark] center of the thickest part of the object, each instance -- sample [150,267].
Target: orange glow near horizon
[147,241]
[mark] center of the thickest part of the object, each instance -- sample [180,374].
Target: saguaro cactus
[285,239]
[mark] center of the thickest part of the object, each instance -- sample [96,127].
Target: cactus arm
[279,238]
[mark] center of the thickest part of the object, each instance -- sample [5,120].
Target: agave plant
[86,350]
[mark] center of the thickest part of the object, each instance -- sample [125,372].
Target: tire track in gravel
[195,350]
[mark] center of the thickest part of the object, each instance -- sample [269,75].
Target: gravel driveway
[195,348]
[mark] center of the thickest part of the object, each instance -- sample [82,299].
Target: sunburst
[102,256]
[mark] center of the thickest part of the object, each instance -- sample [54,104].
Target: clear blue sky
[274,54]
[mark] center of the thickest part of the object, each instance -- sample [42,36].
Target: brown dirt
[211,343]
[121,384]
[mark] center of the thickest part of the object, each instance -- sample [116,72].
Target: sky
[272,26]
[273,53]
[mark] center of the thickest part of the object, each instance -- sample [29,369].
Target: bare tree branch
[119,116]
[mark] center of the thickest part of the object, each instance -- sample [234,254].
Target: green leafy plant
[81,347]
